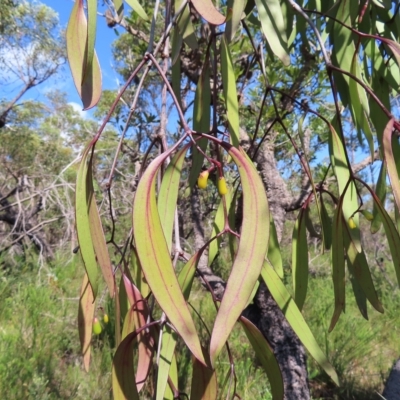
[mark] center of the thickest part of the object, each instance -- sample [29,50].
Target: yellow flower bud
[352,224]
[96,326]
[222,188]
[367,214]
[202,180]
[105,318]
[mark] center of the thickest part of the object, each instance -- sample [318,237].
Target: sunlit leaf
[208,11]
[295,319]
[204,382]
[85,320]
[274,252]
[273,26]
[155,259]
[185,26]
[300,260]
[253,246]
[91,35]
[87,78]
[265,355]
[138,9]
[236,8]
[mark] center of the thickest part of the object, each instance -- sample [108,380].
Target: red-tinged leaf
[361,271]
[230,92]
[137,318]
[338,265]
[204,382]
[208,11]
[300,260]
[85,320]
[87,78]
[124,387]
[168,194]
[295,319]
[253,246]
[390,162]
[83,200]
[274,252]
[155,259]
[266,356]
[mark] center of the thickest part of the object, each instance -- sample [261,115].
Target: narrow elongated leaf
[185,26]
[124,387]
[359,294]
[295,319]
[208,11]
[87,78]
[380,191]
[204,382]
[168,194]
[274,252]
[91,35]
[326,225]
[361,272]
[300,260]
[85,320]
[390,162]
[83,195]
[273,26]
[266,356]
[155,259]
[253,246]
[338,265]
[138,9]
[236,8]
[201,120]
[230,92]
[119,8]
[139,314]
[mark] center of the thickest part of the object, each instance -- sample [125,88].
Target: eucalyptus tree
[219,67]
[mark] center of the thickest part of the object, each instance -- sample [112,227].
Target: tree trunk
[392,387]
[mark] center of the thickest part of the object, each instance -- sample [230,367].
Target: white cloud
[78,107]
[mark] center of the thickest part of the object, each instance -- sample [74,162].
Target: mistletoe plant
[361,66]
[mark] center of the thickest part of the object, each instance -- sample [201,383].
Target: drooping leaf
[265,355]
[380,191]
[155,259]
[326,225]
[91,35]
[274,252]
[300,260]
[253,246]
[168,194]
[137,274]
[359,294]
[124,387]
[273,26]
[85,320]
[235,8]
[338,264]
[83,200]
[230,92]
[87,78]
[295,319]
[185,26]
[138,9]
[208,11]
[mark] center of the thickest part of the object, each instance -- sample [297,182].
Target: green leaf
[300,260]
[185,26]
[273,26]
[359,294]
[83,200]
[201,121]
[236,8]
[85,320]
[208,11]
[380,191]
[204,382]
[119,8]
[295,319]
[266,356]
[155,259]
[338,264]
[138,9]
[253,246]
[87,78]
[168,194]
[326,225]
[274,252]
[91,35]
[230,92]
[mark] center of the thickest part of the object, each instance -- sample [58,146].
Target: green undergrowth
[39,345]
